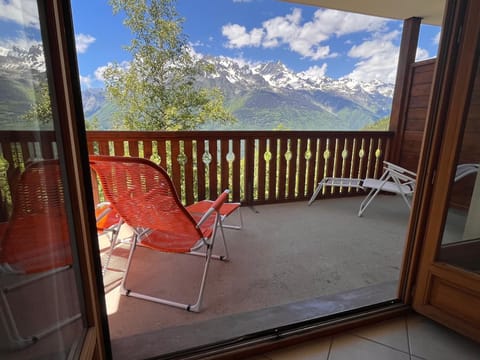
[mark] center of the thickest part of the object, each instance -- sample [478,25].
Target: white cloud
[436,39]
[83,41]
[305,38]
[378,58]
[315,72]
[85,81]
[238,36]
[193,53]
[421,54]
[98,73]
[241,61]
[21,42]
[23,12]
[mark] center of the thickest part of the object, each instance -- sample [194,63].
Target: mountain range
[261,96]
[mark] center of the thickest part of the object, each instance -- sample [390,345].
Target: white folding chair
[395,179]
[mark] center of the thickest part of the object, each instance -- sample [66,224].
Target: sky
[318,41]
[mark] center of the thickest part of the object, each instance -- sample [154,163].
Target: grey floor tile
[391,332]
[432,341]
[317,349]
[349,347]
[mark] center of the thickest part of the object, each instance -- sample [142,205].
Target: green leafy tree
[92,124]
[380,125]
[41,110]
[157,90]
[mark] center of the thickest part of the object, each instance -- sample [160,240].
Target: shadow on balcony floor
[286,256]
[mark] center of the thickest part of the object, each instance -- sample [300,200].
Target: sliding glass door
[49,300]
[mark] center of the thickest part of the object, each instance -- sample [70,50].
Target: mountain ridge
[261,96]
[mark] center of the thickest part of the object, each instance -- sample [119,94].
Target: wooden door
[445,227]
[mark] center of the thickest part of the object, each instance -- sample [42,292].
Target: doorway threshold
[219,330]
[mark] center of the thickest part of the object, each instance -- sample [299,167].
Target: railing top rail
[15,135]
[133,135]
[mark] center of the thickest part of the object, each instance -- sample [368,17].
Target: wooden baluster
[302,167]
[362,158]
[354,162]
[46,147]
[224,165]
[273,180]
[162,152]
[249,169]
[312,167]
[25,151]
[200,169]
[261,169]
[371,157]
[188,151]
[147,149]
[236,170]
[283,168]
[133,148]
[118,148]
[103,147]
[176,175]
[212,149]
[292,168]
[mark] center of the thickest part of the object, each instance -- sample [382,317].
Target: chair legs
[316,192]
[195,306]
[234,227]
[373,193]
[367,200]
[115,232]
[17,340]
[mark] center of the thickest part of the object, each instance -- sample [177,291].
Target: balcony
[290,263]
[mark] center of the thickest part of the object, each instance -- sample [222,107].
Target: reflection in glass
[40,313]
[461,237]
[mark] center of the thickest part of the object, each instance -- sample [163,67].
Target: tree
[380,125]
[157,90]
[41,110]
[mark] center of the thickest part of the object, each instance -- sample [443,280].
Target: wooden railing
[257,166]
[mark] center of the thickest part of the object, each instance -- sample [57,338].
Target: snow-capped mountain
[261,96]
[278,76]
[22,60]
[21,71]
[270,94]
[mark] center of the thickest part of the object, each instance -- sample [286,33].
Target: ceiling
[431,11]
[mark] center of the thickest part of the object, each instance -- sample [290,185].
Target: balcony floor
[286,256]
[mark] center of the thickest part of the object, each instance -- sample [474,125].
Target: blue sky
[304,38]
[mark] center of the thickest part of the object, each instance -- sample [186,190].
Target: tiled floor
[405,338]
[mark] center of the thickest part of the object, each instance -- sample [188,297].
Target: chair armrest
[400,172]
[216,205]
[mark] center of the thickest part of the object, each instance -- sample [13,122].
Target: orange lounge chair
[144,196]
[35,243]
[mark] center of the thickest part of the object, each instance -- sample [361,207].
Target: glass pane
[461,238]
[40,312]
